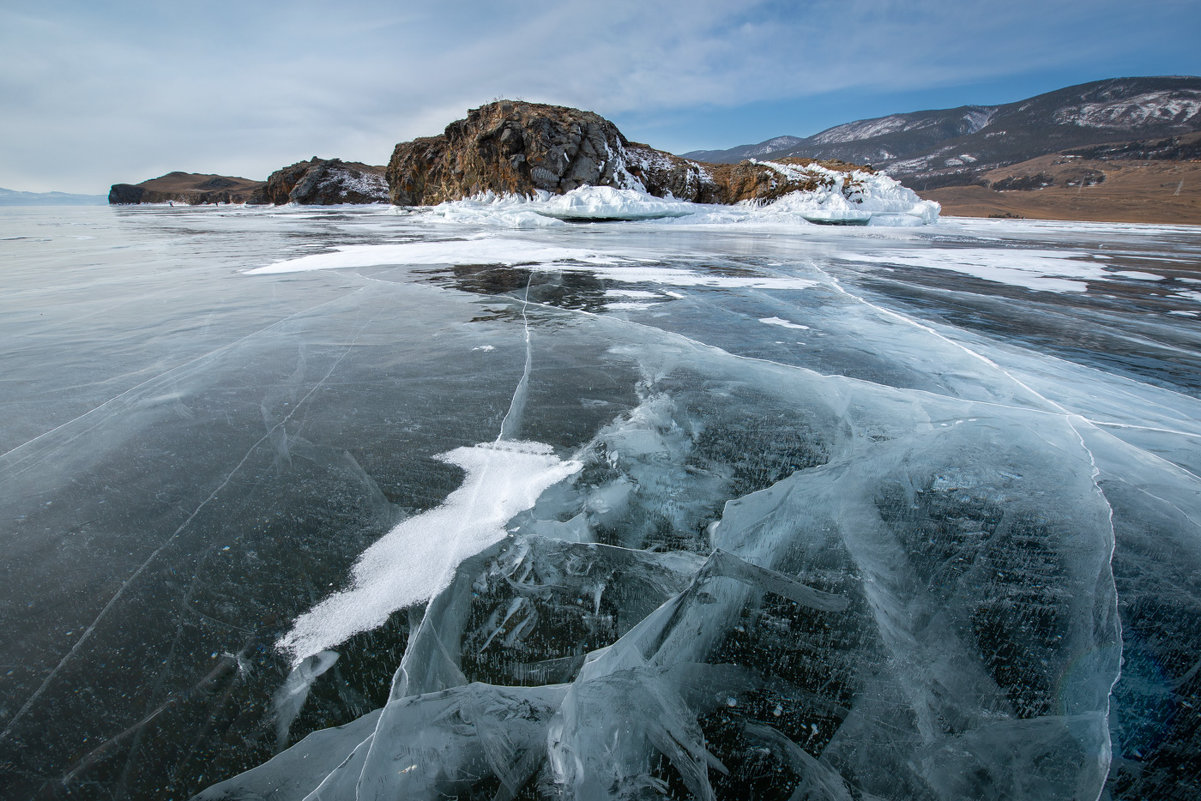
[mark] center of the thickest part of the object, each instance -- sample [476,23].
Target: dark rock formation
[190,188]
[517,147]
[509,147]
[325,182]
[1065,176]
[1175,148]
[319,182]
[1024,182]
[126,194]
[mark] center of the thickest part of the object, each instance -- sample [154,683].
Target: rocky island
[511,147]
[186,187]
[325,182]
[532,149]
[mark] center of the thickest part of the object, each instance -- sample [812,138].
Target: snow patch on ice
[631,293]
[638,274]
[474,251]
[417,559]
[496,250]
[1045,270]
[783,323]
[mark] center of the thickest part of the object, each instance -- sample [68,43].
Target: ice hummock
[599,203]
[922,608]
[855,198]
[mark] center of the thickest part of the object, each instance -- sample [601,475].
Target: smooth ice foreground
[443,503]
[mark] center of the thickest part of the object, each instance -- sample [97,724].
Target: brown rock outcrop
[509,147]
[518,147]
[325,182]
[190,188]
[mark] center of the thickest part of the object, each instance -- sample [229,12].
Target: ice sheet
[803,520]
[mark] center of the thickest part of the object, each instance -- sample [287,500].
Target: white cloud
[94,94]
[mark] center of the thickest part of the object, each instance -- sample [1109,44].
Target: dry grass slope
[1083,189]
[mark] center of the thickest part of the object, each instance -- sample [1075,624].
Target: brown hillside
[1062,187]
[187,187]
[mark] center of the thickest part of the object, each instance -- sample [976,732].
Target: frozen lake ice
[476,502]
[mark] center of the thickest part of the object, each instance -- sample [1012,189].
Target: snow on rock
[1164,106]
[326,182]
[862,129]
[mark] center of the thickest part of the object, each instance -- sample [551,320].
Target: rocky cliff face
[190,188]
[325,182]
[517,147]
[508,147]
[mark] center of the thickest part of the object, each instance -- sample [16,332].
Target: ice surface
[664,508]
[969,568]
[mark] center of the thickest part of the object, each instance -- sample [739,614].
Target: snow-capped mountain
[927,149]
[737,154]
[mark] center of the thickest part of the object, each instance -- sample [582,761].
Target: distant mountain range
[954,147]
[12,197]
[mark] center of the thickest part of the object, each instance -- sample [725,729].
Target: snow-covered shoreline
[854,198]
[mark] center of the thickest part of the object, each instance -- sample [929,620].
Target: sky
[93,94]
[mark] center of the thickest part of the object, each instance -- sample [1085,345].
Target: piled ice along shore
[878,200]
[855,198]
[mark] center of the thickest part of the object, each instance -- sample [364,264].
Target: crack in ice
[173,536]
[164,374]
[517,405]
